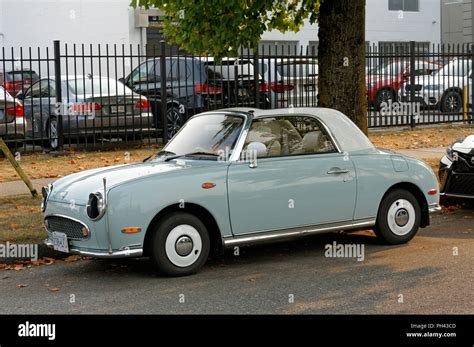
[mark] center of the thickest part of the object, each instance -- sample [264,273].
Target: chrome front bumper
[435,209]
[124,253]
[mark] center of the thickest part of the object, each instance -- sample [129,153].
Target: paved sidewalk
[424,153]
[18,187]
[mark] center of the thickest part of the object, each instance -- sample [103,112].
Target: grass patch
[21,219]
[420,138]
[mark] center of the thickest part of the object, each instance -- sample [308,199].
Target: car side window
[290,135]
[179,71]
[149,71]
[41,89]
[34,91]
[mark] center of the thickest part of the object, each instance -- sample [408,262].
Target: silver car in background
[291,81]
[90,105]
[12,120]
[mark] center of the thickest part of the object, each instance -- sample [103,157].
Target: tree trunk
[341,56]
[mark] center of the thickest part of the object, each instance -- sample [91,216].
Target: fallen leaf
[53,289]
[72,258]
[21,285]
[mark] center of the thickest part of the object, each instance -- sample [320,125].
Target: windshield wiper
[191,154]
[159,153]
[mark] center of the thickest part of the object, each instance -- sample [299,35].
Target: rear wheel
[399,217]
[180,245]
[384,96]
[451,102]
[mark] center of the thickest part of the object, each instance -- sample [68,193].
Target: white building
[36,23]
[387,22]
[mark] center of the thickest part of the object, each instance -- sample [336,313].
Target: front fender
[137,202]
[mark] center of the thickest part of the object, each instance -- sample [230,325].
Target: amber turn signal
[131,230]
[208,185]
[432,191]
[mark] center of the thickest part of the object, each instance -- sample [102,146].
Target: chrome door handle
[336,171]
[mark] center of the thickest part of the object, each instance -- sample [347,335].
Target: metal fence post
[256,77]
[57,82]
[412,82]
[471,114]
[163,91]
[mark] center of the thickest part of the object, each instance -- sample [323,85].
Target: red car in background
[384,81]
[15,81]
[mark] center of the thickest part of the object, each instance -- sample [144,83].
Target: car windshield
[22,75]
[98,86]
[213,133]
[456,68]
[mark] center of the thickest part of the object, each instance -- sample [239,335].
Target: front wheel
[175,121]
[180,245]
[451,102]
[399,217]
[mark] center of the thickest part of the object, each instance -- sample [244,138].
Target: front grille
[463,163]
[72,229]
[461,184]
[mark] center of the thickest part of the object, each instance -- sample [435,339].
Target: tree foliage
[220,27]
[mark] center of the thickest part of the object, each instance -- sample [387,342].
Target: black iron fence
[85,95]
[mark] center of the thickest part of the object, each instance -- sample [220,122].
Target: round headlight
[95,206]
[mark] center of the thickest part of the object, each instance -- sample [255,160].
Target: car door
[37,104]
[300,180]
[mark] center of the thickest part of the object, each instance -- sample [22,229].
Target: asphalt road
[425,275]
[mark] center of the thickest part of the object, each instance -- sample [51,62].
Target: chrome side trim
[270,236]
[127,253]
[74,220]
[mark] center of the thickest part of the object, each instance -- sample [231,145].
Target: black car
[196,84]
[456,172]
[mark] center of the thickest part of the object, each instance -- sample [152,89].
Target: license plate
[117,109]
[59,241]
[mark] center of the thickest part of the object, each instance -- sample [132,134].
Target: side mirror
[121,80]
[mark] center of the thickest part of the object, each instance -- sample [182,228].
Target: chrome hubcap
[452,103]
[184,246]
[401,217]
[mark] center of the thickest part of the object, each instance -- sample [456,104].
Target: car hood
[464,146]
[75,189]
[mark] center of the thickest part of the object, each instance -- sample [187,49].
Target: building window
[404,5]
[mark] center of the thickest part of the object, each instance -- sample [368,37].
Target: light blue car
[236,177]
